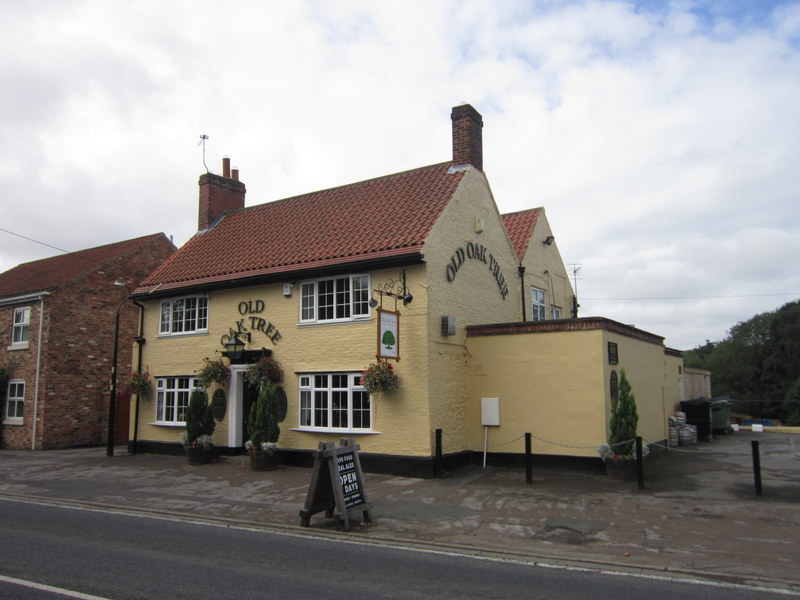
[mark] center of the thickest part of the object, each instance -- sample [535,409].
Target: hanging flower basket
[379,377]
[213,371]
[265,370]
[136,383]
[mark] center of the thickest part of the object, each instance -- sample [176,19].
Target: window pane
[160,403]
[339,409]
[166,311]
[15,404]
[202,313]
[325,298]
[360,410]
[537,304]
[343,298]
[20,328]
[305,408]
[177,316]
[190,315]
[361,295]
[307,298]
[321,408]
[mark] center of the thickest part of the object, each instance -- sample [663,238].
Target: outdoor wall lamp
[549,240]
[394,288]
[234,347]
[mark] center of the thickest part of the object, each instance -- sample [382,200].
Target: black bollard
[528,459]
[639,463]
[757,468]
[438,467]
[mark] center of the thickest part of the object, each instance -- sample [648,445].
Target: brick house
[57,325]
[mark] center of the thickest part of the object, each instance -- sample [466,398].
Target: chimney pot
[226,167]
[235,174]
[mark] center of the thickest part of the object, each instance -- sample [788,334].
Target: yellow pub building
[485,337]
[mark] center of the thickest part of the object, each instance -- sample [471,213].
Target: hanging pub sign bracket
[337,485]
[393,288]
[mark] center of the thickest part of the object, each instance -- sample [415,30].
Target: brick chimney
[219,195]
[467,136]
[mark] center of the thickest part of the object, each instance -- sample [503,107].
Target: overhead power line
[698,297]
[33,240]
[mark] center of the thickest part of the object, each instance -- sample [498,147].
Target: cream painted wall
[470,292]
[674,372]
[400,420]
[556,386]
[645,366]
[545,269]
[551,385]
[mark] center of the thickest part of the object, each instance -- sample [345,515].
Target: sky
[662,138]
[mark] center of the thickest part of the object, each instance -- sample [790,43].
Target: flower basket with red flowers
[264,370]
[379,377]
[136,383]
[213,371]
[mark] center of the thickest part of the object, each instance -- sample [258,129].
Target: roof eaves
[23,298]
[215,280]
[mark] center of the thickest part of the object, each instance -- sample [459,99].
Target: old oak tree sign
[337,485]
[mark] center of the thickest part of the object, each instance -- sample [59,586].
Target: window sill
[165,424]
[13,347]
[326,323]
[163,336]
[13,421]
[336,431]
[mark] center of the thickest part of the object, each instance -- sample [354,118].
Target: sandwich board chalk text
[337,485]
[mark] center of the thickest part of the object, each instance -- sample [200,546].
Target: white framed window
[537,304]
[22,323]
[184,315]
[15,401]
[555,312]
[172,398]
[335,299]
[334,402]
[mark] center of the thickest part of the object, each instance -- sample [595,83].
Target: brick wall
[77,348]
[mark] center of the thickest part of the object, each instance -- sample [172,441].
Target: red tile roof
[50,273]
[385,217]
[520,226]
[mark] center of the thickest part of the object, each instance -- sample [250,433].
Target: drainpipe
[139,343]
[521,270]
[38,373]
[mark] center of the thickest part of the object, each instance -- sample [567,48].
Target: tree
[199,417]
[262,425]
[624,420]
[757,364]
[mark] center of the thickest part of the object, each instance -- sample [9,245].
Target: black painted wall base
[404,466]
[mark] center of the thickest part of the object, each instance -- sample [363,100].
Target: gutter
[23,298]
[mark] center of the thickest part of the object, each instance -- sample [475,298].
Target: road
[91,553]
